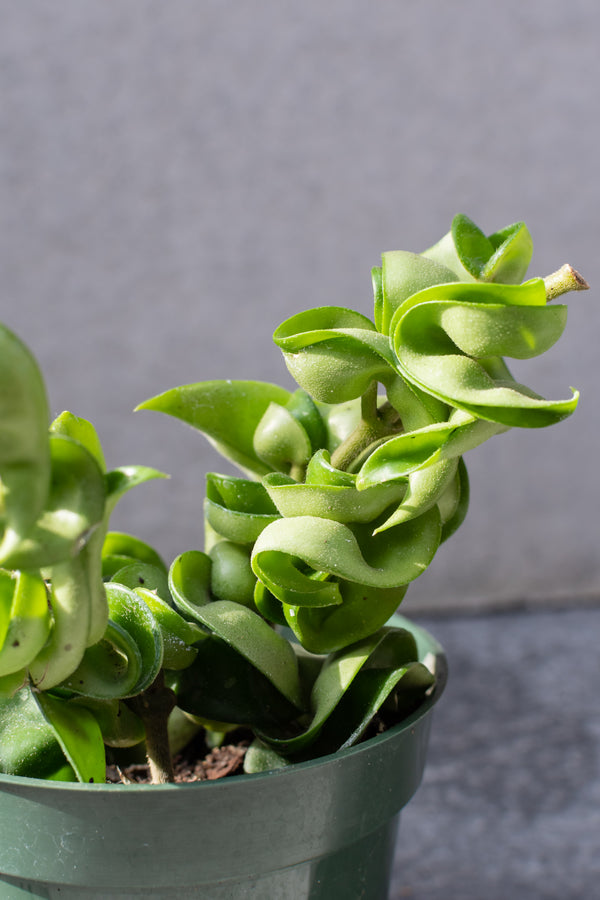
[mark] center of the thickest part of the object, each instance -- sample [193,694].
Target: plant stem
[564,280]
[375,423]
[154,707]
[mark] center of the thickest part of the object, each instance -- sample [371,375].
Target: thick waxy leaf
[227,412]
[252,638]
[280,441]
[177,634]
[10,684]
[334,353]
[120,549]
[387,651]
[110,669]
[406,686]
[144,575]
[24,446]
[344,503]
[268,605]
[83,432]
[74,506]
[454,504]
[286,437]
[237,509]
[189,581]
[28,744]
[232,577]
[404,274]
[406,453]
[502,257]
[119,725]
[445,337]
[384,561]
[222,685]
[128,610]
[425,489]
[305,411]
[25,619]
[70,603]
[363,611]
[78,734]
[350,689]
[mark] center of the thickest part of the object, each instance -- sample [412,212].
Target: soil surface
[197,763]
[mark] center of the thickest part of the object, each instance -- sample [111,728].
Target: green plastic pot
[315,831]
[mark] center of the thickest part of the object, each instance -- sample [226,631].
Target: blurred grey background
[177,178]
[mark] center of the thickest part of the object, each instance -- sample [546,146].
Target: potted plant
[284,624]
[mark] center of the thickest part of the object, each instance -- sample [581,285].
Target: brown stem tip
[564,280]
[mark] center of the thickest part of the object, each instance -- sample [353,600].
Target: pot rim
[429,649]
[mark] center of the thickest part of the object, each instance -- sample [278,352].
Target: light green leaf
[24,446]
[227,412]
[78,734]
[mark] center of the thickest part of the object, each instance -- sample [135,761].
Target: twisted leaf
[327,546]
[177,634]
[24,447]
[382,659]
[128,610]
[406,453]
[223,686]
[79,735]
[74,506]
[502,257]
[25,619]
[70,606]
[245,632]
[334,353]
[120,549]
[237,509]
[363,610]
[426,487]
[446,339]
[343,503]
[403,274]
[109,669]
[189,582]
[28,744]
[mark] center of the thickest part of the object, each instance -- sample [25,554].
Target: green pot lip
[426,643]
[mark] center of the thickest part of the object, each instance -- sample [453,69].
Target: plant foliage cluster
[349,485]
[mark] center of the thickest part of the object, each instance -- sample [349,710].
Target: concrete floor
[510,803]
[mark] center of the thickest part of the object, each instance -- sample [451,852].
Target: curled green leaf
[25,619]
[449,340]
[73,508]
[177,634]
[364,674]
[501,257]
[237,509]
[79,735]
[189,581]
[24,446]
[253,639]
[110,669]
[120,549]
[334,353]
[341,502]
[128,610]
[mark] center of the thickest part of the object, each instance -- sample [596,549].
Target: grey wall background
[175,179]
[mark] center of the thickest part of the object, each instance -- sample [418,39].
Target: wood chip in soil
[218,763]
